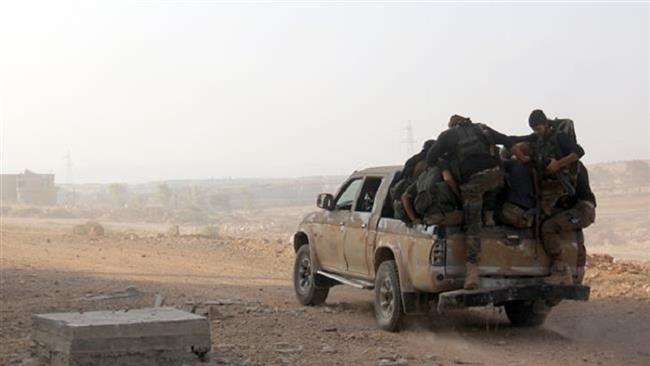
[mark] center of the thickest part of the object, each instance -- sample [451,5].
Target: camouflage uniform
[572,214]
[520,200]
[547,148]
[434,201]
[516,216]
[396,194]
[471,147]
[472,193]
[580,216]
[402,186]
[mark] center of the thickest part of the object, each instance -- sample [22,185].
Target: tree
[165,194]
[118,194]
[220,201]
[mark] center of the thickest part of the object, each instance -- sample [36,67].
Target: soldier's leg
[552,229]
[472,206]
[472,197]
[489,206]
[588,216]
[587,213]
[578,217]
[516,216]
[472,193]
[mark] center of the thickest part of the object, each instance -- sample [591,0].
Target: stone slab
[170,334]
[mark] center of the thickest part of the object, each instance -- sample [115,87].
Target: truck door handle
[364,225]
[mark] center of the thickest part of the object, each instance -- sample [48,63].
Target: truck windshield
[349,193]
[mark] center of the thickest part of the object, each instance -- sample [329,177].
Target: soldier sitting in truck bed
[431,200]
[413,167]
[472,146]
[518,201]
[555,157]
[571,213]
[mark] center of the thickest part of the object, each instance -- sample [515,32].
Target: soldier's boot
[488,218]
[560,273]
[471,276]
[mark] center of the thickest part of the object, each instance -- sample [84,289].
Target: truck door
[329,248]
[358,229]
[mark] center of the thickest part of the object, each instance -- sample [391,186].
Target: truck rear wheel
[388,297]
[304,283]
[523,313]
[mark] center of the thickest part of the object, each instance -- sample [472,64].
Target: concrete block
[142,337]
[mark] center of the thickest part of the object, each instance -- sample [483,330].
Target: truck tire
[304,283]
[523,313]
[388,297]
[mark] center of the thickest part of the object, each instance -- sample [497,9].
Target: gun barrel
[563,177]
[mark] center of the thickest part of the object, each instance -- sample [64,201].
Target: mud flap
[552,294]
[415,303]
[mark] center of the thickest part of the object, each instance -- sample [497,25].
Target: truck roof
[379,170]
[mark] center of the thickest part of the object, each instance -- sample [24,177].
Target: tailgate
[506,252]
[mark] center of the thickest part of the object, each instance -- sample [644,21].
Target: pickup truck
[354,240]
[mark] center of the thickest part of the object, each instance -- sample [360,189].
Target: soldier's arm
[407,202]
[583,188]
[451,182]
[571,153]
[556,165]
[439,148]
[407,171]
[524,138]
[501,139]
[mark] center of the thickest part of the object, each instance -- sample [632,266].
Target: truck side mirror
[325,201]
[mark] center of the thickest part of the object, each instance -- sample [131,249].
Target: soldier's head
[522,148]
[538,122]
[457,120]
[427,145]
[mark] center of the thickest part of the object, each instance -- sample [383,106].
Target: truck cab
[354,240]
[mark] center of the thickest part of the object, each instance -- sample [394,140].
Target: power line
[69,176]
[68,168]
[409,140]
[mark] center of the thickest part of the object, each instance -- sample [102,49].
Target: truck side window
[368,193]
[348,194]
[387,211]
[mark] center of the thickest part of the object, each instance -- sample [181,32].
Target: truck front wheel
[523,313]
[304,283]
[388,297]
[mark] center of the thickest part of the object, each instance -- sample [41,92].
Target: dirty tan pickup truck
[354,240]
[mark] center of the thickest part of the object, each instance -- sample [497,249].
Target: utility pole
[409,141]
[69,180]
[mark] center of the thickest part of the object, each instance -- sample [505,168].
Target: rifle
[563,177]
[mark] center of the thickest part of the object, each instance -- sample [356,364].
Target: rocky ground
[244,286]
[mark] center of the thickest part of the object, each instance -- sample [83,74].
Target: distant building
[8,191]
[28,188]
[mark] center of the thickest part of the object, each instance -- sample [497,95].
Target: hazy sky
[155,90]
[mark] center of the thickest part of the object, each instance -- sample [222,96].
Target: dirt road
[46,269]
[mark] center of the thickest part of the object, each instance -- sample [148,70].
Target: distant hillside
[620,177]
[606,179]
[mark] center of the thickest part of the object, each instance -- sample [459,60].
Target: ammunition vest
[549,148]
[552,192]
[472,142]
